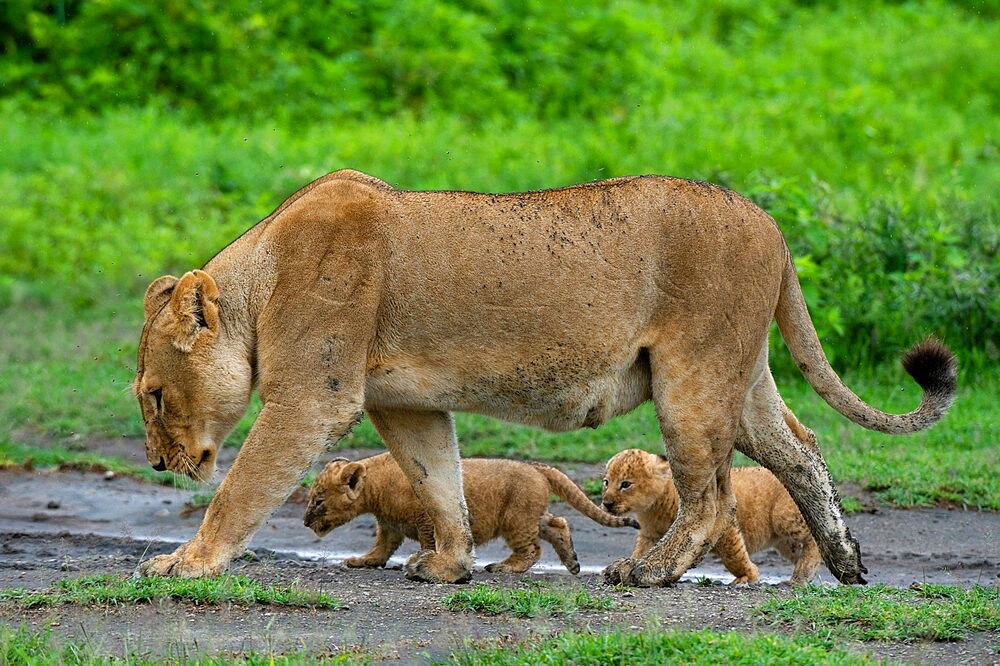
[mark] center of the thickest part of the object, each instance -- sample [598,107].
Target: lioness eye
[625,484]
[158,397]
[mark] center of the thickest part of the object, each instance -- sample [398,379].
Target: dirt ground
[61,524]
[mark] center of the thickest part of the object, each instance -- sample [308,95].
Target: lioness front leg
[388,539]
[424,446]
[281,446]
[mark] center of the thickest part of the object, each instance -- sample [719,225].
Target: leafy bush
[140,137]
[484,58]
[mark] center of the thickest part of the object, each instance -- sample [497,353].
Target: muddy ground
[56,524]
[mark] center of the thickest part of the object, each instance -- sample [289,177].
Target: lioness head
[193,382]
[333,497]
[633,481]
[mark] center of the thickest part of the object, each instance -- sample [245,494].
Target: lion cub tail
[930,363]
[562,486]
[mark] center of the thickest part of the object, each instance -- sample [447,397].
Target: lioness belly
[547,396]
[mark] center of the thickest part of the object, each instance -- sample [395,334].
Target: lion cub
[640,482]
[506,498]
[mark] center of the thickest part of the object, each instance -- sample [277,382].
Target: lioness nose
[160,466]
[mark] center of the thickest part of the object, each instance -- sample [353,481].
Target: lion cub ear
[194,303]
[660,466]
[352,476]
[158,293]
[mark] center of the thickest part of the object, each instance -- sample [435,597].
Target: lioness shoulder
[641,483]
[505,498]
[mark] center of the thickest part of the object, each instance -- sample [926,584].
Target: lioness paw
[617,572]
[429,566]
[179,564]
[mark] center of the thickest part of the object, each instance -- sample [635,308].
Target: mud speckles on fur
[420,466]
[333,384]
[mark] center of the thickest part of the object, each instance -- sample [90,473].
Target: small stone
[53,504]
[109,475]
[162,513]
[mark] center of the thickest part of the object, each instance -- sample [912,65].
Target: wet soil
[58,524]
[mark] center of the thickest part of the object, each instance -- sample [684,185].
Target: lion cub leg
[555,530]
[732,550]
[388,539]
[794,541]
[526,546]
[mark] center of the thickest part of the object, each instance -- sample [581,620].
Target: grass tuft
[692,648]
[25,647]
[102,590]
[536,600]
[879,612]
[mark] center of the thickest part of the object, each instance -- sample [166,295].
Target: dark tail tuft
[933,366]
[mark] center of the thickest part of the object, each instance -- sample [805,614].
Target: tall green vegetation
[139,138]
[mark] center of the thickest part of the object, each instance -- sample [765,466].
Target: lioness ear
[353,475]
[158,293]
[194,303]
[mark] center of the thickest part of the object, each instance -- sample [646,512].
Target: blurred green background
[137,138]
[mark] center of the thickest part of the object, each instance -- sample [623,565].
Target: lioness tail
[562,486]
[930,363]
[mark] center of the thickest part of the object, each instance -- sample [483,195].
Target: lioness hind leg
[555,530]
[424,446]
[732,550]
[766,437]
[698,414]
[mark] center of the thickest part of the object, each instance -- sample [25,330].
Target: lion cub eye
[625,485]
[605,483]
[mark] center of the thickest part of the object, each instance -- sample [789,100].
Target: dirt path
[58,524]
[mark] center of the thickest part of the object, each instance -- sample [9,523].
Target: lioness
[505,498]
[641,483]
[561,309]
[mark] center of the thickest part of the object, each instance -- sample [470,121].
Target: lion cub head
[193,374]
[634,481]
[334,498]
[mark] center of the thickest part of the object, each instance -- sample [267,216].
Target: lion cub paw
[363,563]
[429,566]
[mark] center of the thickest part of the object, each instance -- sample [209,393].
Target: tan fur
[766,517]
[560,309]
[506,498]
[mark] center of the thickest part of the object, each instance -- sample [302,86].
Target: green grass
[24,647]
[113,590]
[692,648]
[530,602]
[31,457]
[882,613]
